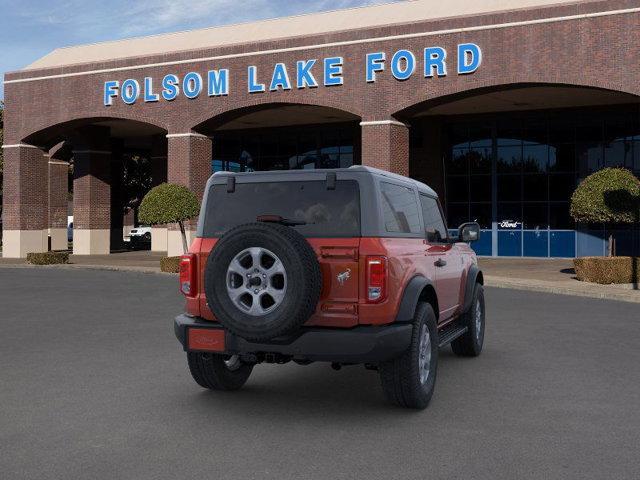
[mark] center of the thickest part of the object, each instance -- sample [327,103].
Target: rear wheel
[470,344]
[218,372]
[409,380]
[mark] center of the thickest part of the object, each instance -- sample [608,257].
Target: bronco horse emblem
[344,276]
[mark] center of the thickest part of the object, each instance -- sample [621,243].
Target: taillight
[376,279]
[188,272]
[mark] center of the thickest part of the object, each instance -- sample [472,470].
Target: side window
[400,209]
[433,223]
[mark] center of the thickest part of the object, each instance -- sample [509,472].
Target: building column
[58,192]
[24,202]
[385,145]
[158,175]
[92,192]
[116,224]
[189,164]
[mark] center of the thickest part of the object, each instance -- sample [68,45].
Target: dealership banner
[308,73]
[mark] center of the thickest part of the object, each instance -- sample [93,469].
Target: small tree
[169,203]
[611,195]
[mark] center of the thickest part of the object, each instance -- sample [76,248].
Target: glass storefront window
[535,158]
[459,161]
[457,214]
[562,157]
[480,159]
[481,188]
[538,159]
[589,157]
[535,216]
[510,159]
[618,154]
[559,217]
[481,213]
[458,188]
[510,187]
[636,157]
[535,188]
[561,186]
[509,214]
[330,146]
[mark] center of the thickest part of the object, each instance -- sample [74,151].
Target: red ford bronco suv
[348,266]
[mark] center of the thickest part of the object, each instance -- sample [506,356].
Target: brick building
[500,105]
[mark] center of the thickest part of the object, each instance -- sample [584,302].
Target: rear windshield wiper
[288,222]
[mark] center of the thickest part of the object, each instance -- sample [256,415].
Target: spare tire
[262,280]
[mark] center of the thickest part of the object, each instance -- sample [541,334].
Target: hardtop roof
[319,174]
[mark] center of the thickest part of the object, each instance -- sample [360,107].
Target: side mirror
[469,232]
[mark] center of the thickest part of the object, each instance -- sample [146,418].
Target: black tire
[303,281]
[470,344]
[401,377]
[147,237]
[210,371]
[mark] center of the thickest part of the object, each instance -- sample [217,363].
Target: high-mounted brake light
[376,279]
[188,272]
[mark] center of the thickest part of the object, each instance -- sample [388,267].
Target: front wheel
[470,344]
[218,372]
[409,380]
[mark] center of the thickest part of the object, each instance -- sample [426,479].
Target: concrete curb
[75,266]
[603,292]
[579,289]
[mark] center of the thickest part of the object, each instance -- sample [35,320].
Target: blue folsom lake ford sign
[310,73]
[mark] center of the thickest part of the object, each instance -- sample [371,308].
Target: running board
[449,334]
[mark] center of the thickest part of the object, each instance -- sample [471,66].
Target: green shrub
[169,203]
[170,264]
[607,270]
[611,195]
[48,258]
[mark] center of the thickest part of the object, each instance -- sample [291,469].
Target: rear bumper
[364,344]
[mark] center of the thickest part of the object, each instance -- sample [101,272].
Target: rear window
[328,213]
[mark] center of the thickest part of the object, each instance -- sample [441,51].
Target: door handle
[440,263]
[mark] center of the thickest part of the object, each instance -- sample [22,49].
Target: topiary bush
[169,203]
[170,264]
[611,195]
[607,270]
[48,258]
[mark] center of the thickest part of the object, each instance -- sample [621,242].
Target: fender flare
[410,298]
[472,279]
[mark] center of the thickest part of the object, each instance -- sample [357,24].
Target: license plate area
[205,340]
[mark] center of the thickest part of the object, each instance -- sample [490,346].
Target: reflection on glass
[589,157]
[618,154]
[539,158]
[510,159]
[282,149]
[480,159]
[535,158]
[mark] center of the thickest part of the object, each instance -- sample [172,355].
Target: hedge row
[48,258]
[170,264]
[607,270]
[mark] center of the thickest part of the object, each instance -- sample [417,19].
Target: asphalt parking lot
[94,385]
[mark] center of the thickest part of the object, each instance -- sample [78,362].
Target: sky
[29,29]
